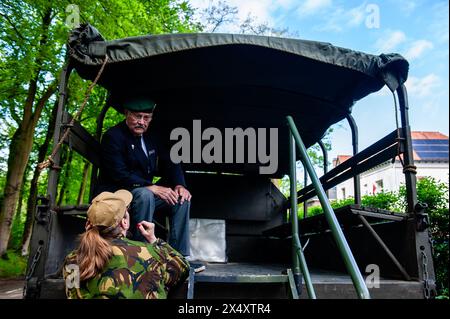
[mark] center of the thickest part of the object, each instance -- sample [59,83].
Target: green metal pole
[349,260]
[298,258]
[304,266]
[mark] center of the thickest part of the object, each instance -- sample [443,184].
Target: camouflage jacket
[136,270]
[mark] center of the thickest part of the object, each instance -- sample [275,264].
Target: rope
[406,168]
[410,168]
[49,161]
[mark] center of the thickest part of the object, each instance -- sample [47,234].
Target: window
[343,192]
[377,186]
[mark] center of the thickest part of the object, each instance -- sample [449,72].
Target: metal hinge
[422,221]
[42,216]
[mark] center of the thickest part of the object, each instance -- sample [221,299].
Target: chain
[35,261]
[425,275]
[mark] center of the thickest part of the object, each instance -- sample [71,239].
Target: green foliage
[312,211]
[15,239]
[316,210]
[13,265]
[429,191]
[382,200]
[435,195]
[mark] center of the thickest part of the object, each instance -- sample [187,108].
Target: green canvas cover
[235,80]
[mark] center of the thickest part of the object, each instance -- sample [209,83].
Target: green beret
[139,104]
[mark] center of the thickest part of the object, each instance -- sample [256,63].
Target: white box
[208,240]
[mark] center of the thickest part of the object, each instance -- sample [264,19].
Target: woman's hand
[147,230]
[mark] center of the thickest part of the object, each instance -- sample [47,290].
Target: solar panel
[430,142]
[431,149]
[433,155]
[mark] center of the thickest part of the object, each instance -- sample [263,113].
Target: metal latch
[422,222]
[43,210]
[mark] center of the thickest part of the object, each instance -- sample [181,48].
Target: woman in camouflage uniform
[108,265]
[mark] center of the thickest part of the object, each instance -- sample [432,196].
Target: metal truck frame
[300,87]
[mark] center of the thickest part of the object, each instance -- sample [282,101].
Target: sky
[416,29]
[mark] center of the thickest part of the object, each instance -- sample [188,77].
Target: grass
[14,265]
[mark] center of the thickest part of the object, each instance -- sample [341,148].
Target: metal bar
[53,174]
[325,157]
[293,214]
[349,260]
[191,282]
[408,159]
[98,135]
[305,204]
[386,248]
[381,157]
[325,161]
[365,213]
[85,145]
[304,267]
[248,279]
[292,286]
[364,156]
[40,237]
[356,178]
[420,259]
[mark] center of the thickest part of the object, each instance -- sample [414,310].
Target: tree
[217,15]
[29,49]
[251,26]
[32,197]
[32,37]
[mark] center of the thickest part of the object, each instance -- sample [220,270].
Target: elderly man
[130,159]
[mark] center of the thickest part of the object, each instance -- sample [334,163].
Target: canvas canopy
[235,80]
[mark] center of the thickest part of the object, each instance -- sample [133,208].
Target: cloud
[261,10]
[383,92]
[310,7]
[356,15]
[417,48]
[340,19]
[439,26]
[423,87]
[407,6]
[286,4]
[390,41]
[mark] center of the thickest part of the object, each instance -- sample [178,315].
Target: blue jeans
[143,207]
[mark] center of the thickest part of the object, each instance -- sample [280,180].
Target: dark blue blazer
[124,164]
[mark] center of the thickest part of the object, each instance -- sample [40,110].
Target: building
[430,157]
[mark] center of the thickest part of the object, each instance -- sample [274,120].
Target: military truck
[299,88]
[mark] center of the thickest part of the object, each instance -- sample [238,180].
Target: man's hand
[165,193]
[183,193]
[147,230]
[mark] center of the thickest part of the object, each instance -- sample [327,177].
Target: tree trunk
[22,191]
[32,198]
[22,141]
[18,214]
[86,167]
[19,151]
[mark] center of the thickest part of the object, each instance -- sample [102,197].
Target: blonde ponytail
[93,253]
